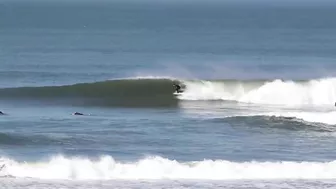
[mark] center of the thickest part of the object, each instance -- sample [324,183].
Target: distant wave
[156,91]
[13,139]
[289,117]
[154,168]
[293,123]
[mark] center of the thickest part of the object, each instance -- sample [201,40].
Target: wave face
[276,92]
[159,92]
[151,168]
[123,92]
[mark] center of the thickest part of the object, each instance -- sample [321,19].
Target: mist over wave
[153,168]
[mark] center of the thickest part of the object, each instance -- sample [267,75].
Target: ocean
[257,108]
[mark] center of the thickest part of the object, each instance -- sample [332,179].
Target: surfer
[177,88]
[1,113]
[77,113]
[3,166]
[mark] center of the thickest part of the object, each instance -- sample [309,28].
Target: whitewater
[315,92]
[308,100]
[158,168]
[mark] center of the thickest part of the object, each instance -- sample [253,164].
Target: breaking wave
[275,92]
[151,168]
[155,91]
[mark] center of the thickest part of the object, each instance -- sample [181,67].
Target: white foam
[315,117]
[277,92]
[151,168]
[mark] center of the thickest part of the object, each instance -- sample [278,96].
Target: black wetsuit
[178,88]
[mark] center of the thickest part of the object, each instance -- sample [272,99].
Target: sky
[242,3]
[190,1]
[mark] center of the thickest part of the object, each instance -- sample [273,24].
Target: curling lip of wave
[153,168]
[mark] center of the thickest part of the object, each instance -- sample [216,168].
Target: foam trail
[151,168]
[277,92]
[314,117]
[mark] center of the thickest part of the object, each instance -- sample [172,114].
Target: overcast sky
[204,1]
[269,2]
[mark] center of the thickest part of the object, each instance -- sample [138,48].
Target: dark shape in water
[1,113]
[3,166]
[77,113]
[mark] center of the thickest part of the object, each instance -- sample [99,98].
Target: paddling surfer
[77,113]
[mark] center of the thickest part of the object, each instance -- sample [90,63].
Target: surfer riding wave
[178,88]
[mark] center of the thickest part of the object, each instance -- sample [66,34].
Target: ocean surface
[257,111]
